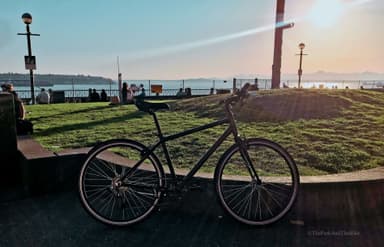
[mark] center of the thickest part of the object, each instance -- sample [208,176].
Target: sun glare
[325,13]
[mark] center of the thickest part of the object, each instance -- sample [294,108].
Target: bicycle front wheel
[107,195]
[252,201]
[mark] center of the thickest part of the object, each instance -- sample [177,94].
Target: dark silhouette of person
[23,126]
[188,92]
[142,92]
[89,94]
[180,93]
[124,92]
[103,95]
[17,102]
[95,96]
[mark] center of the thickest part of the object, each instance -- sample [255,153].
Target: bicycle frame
[203,158]
[163,139]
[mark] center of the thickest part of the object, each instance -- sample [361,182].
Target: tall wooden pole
[276,66]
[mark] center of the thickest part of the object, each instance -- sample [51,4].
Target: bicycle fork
[248,162]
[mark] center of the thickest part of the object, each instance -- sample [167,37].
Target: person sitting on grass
[43,97]
[103,96]
[95,97]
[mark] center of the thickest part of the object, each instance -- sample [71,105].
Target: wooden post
[276,66]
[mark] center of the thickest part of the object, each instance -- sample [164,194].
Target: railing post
[234,86]
[149,87]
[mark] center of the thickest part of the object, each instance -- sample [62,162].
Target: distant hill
[46,79]
[322,75]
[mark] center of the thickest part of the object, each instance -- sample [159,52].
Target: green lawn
[326,131]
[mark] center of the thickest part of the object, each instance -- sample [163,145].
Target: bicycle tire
[112,202]
[255,203]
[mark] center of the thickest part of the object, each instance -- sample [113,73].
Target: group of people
[186,93]
[94,96]
[128,93]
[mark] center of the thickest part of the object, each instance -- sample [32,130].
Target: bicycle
[122,181]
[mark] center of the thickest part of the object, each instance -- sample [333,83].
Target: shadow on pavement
[324,215]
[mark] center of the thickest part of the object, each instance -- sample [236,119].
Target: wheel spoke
[111,200]
[98,173]
[266,204]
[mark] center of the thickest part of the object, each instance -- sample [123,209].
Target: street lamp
[30,61]
[300,71]
[27,18]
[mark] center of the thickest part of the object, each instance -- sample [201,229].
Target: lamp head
[301,46]
[27,18]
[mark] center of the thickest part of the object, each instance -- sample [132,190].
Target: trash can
[58,97]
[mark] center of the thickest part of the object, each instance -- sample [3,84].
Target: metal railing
[83,95]
[336,84]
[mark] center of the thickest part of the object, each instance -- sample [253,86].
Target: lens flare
[325,13]
[206,42]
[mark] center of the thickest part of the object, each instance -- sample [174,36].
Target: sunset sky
[175,39]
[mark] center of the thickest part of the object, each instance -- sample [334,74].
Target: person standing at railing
[127,94]
[124,92]
[50,92]
[141,92]
[130,96]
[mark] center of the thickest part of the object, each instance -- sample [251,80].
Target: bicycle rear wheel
[113,200]
[257,202]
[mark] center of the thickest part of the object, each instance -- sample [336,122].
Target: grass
[326,131]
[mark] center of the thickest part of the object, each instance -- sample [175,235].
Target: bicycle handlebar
[239,96]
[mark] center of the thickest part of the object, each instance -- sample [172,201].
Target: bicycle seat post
[164,146]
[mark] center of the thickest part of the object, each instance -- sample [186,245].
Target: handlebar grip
[239,96]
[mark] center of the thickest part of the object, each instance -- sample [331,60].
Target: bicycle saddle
[150,107]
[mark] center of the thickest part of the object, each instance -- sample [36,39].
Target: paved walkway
[323,216]
[326,214]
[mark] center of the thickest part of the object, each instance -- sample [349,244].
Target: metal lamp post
[300,71]
[30,61]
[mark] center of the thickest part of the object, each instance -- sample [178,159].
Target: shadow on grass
[90,124]
[86,110]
